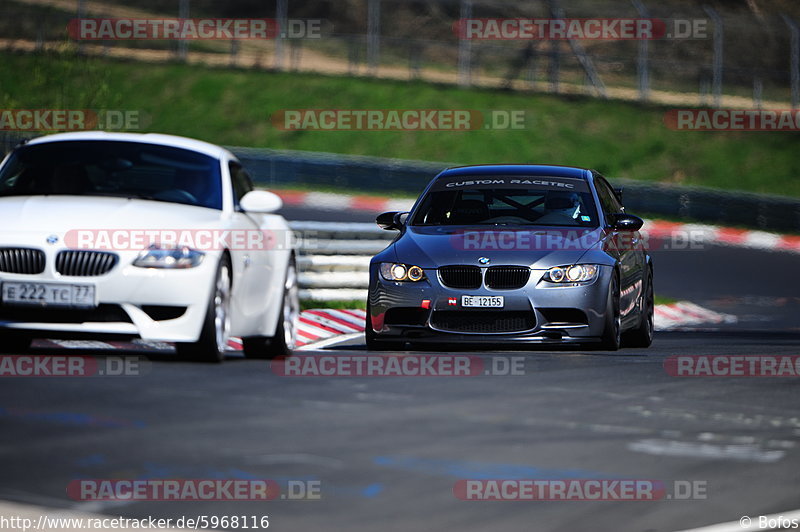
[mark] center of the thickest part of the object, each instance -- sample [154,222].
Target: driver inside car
[561,208]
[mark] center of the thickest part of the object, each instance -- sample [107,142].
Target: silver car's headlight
[170,258]
[396,271]
[576,273]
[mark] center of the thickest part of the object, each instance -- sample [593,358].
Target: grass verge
[234,107]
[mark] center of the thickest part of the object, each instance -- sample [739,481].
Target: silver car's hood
[537,247]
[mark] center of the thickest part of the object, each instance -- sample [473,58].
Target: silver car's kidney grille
[85,263]
[507,277]
[465,277]
[22,260]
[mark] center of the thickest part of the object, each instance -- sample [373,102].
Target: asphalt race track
[388,451]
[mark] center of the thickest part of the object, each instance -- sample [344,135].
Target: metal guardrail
[283,168]
[334,263]
[736,208]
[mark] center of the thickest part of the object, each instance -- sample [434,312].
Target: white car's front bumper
[131,301]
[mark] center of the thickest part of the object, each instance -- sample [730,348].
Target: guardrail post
[642,66]
[718,55]
[183,14]
[81,13]
[464,47]
[281,15]
[758,90]
[555,54]
[234,51]
[794,70]
[373,35]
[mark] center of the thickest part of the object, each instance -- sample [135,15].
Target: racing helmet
[566,203]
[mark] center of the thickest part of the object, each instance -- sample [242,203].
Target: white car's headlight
[576,273]
[395,271]
[170,258]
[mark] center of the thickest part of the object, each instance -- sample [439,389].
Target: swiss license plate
[48,294]
[482,301]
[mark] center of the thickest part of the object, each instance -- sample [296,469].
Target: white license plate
[48,294]
[482,301]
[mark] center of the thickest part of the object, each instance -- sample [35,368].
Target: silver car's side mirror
[392,220]
[626,222]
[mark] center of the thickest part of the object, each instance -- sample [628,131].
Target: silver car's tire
[213,341]
[283,343]
[642,336]
[612,335]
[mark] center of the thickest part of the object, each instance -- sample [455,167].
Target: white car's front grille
[22,260]
[85,263]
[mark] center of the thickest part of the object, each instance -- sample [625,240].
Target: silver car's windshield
[507,206]
[113,168]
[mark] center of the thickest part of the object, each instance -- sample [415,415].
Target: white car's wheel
[213,341]
[285,339]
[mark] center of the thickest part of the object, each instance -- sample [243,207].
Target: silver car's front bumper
[539,312]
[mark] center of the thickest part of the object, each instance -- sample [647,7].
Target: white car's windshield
[113,168]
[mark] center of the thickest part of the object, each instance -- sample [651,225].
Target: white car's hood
[59,214]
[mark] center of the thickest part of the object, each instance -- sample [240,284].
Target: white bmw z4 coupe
[158,237]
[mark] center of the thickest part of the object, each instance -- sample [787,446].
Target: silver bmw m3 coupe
[512,254]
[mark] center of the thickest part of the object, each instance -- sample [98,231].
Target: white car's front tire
[213,341]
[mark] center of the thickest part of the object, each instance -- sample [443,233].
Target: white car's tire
[283,343]
[213,341]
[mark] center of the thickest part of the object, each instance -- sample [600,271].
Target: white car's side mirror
[260,202]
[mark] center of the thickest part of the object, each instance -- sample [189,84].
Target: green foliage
[234,106]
